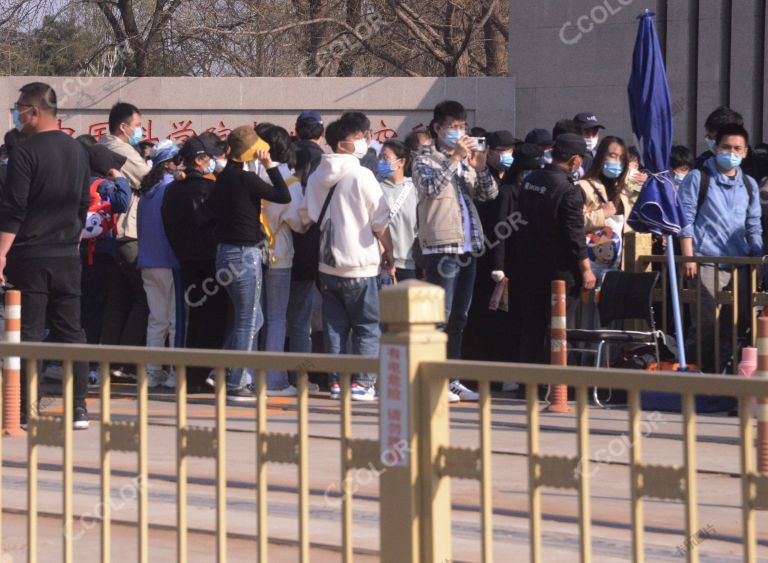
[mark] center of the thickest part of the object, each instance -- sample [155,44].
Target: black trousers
[126,311]
[50,288]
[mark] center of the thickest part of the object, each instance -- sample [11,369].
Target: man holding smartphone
[450,178]
[42,213]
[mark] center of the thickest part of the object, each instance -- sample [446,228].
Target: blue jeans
[299,318]
[238,269]
[277,284]
[455,273]
[351,305]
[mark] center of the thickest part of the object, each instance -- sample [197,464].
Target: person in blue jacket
[721,205]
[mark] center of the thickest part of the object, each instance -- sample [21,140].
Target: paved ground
[718,488]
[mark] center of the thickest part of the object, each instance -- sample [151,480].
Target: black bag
[313,233]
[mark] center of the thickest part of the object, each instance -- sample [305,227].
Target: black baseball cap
[195,146]
[587,120]
[540,137]
[569,145]
[310,117]
[528,156]
[502,138]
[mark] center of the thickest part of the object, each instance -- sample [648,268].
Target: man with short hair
[590,129]
[543,139]
[720,117]
[42,213]
[450,177]
[125,317]
[722,208]
[347,203]
[551,243]
[369,161]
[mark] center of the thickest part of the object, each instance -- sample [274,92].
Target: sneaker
[241,395]
[54,371]
[80,419]
[170,381]
[156,377]
[362,392]
[289,391]
[453,397]
[312,387]
[509,387]
[464,393]
[335,391]
[211,379]
[121,372]
[93,379]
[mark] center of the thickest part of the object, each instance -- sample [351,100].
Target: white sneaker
[155,378]
[312,387]
[362,392]
[289,391]
[121,372]
[93,379]
[170,381]
[211,379]
[509,387]
[463,392]
[453,397]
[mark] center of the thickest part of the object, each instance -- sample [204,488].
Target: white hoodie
[358,209]
[282,219]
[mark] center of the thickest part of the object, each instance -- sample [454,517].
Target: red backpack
[99,221]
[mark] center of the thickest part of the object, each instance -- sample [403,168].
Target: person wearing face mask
[42,212]
[590,129]
[681,162]
[237,206]
[501,150]
[126,313]
[189,224]
[402,200]
[220,155]
[449,179]
[551,243]
[348,206]
[721,205]
[369,161]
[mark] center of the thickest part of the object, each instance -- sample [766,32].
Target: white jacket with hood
[284,218]
[358,209]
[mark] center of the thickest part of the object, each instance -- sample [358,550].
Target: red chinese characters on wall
[68,130]
[181,131]
[220,130]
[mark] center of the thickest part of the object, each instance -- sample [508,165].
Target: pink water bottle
[747,367]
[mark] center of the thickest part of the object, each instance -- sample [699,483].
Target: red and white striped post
[762,403]
[559,348]
[12,367]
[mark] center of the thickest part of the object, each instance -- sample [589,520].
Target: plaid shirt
[454,175]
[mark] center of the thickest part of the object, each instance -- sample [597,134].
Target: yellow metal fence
[415,496]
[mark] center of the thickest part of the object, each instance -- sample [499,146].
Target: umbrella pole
[676,304]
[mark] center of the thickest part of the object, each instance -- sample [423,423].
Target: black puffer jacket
[188,218]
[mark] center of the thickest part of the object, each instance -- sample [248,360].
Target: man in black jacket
[552,243]
[189,224]
[42,213]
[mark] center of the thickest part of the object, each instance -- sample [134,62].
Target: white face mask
[591,143]
[361,148]
[220,164]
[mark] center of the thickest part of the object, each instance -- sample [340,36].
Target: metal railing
[690,294]
[415,490]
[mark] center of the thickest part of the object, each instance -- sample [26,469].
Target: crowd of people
[261,240]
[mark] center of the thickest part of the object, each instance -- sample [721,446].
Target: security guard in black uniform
[551,243]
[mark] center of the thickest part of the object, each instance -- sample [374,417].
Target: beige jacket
[594,217]
[134,169]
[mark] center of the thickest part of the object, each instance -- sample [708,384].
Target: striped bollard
[12,367]
[559,349]
[762,403]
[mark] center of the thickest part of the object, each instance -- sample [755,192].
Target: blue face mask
[136,137]
[679,178]
[17,121]
[506,160]
[452,137]
[211,167]
[710,144]
[384,169]
[728,160]
[613,169]
[547,158]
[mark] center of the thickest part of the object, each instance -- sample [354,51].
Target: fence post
[414,425]
[12,367]
[559,347]
[762,402]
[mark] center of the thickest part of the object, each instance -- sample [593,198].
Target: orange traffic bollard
[559,338]
[12,367]
[762,403]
